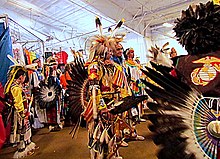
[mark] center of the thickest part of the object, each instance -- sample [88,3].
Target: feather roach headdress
[198,30]
[14,69]
[99,43]
[160,55]
[51,61]
[184,123]
[99,46]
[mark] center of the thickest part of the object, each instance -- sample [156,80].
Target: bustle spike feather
[98,25]
[117,27]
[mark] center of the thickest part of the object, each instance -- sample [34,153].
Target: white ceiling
[64,20]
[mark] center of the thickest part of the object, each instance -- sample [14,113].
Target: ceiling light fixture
[167,25]
[24,5]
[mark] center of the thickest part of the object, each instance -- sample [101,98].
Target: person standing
[132,69]
[20,126]
[35,78]
[53,109]
[64,77]
[118,58]
[117,55]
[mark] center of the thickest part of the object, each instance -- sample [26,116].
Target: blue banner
[5,49]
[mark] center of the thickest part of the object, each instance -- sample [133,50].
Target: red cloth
[63,79]
[2,128]
[62,57]
[51,115]
[173,73]
[2,95]
[202,71]
[2,132]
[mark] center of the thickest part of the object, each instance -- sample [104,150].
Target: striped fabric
[30,56]
[88,114]
[118,78]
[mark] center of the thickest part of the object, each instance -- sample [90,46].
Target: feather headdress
[51,61]
[198,29]
[160,55]
[99,43]
[14,69]
[99,46]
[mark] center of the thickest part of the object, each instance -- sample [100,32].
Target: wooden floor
[60,145]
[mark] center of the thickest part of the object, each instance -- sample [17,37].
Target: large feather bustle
[76,90]
[180,118]
[198,29]
[47,95]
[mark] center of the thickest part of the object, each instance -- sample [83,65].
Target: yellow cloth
[16,92]
[100,102]
[216,2]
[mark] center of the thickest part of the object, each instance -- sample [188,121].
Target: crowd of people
[108,89]
[37,97]
[23,108]
[40,100]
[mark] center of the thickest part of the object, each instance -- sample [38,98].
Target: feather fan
[183,122]
[127,103]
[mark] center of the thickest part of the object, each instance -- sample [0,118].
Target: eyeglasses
[119,49]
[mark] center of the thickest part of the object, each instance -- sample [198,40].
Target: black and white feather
[184,123]
[127,103]
[47,95]
[77,91]
[198,29]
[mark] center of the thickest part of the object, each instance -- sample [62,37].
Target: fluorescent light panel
[167,25]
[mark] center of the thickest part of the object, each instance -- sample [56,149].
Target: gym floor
[60,145]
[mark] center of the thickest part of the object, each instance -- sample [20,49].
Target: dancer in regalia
[99,87]
[19,105]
